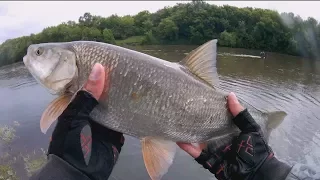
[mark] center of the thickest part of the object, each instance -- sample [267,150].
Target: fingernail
[233,98]
[95,73]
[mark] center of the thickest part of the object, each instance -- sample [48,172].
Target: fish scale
[178,113]
[157,101]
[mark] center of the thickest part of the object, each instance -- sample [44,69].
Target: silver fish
[157,101]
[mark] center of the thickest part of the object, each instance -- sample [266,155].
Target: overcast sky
[26,17]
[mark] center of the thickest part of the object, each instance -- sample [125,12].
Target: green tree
[228,39]
[143,22]
[149,38]
[91,34]
[108,36]
[167,29]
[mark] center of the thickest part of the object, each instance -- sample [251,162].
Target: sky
[18,18]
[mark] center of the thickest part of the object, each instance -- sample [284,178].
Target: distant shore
[191,23]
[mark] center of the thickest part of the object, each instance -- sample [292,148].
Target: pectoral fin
[53,111]
[158,156]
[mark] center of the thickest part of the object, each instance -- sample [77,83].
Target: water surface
[279,82]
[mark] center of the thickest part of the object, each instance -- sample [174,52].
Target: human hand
[248,157]
[234,107]
[83,143]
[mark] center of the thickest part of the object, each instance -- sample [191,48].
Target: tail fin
[274,120]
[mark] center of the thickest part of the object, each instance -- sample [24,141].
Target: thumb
[192,150]
[96,81]
[234,106]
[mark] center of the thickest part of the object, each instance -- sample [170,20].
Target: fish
[154,100]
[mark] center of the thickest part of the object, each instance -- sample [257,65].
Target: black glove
[248,157]
[84,144]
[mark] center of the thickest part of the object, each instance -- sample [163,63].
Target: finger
[190,149]
[234,106]
[242,119]
[203,146]
[96,81]
[106,84]
[212,161]
[245,122]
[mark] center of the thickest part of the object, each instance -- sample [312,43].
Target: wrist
[82,102]
[57,168]
[273,169]
[73,118]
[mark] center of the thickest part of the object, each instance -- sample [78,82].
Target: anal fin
[158,156]
[53,111]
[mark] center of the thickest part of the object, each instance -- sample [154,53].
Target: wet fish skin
[153,97]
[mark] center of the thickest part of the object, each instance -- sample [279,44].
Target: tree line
[191,23]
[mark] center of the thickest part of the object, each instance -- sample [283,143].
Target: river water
[279,82]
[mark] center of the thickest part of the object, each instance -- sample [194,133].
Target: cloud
[3,10]
[26,17]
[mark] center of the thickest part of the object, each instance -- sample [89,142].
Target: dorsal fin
[202,62]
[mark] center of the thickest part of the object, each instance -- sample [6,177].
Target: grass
[33,162]
[7,134]
[7,173]
[133,40]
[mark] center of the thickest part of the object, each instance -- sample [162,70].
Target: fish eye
[39,51]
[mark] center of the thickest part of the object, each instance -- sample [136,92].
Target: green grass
[133,40]
[7,134]
[6,172]
[33,162]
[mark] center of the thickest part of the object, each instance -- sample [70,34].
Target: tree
[143,22]
[86,19]
[193,23]
[228,39]
[167,29]
[108,36]
[91,34]
[149,38]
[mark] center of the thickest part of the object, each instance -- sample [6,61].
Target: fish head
[53,65]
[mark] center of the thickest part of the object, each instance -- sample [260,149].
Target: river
[279,82]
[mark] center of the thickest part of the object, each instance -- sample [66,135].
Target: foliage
[7,134]
[167,29]
[191,23]
[149,38]
[34,162]
[228,39]
[7,172]
[133,40]
[108,36]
